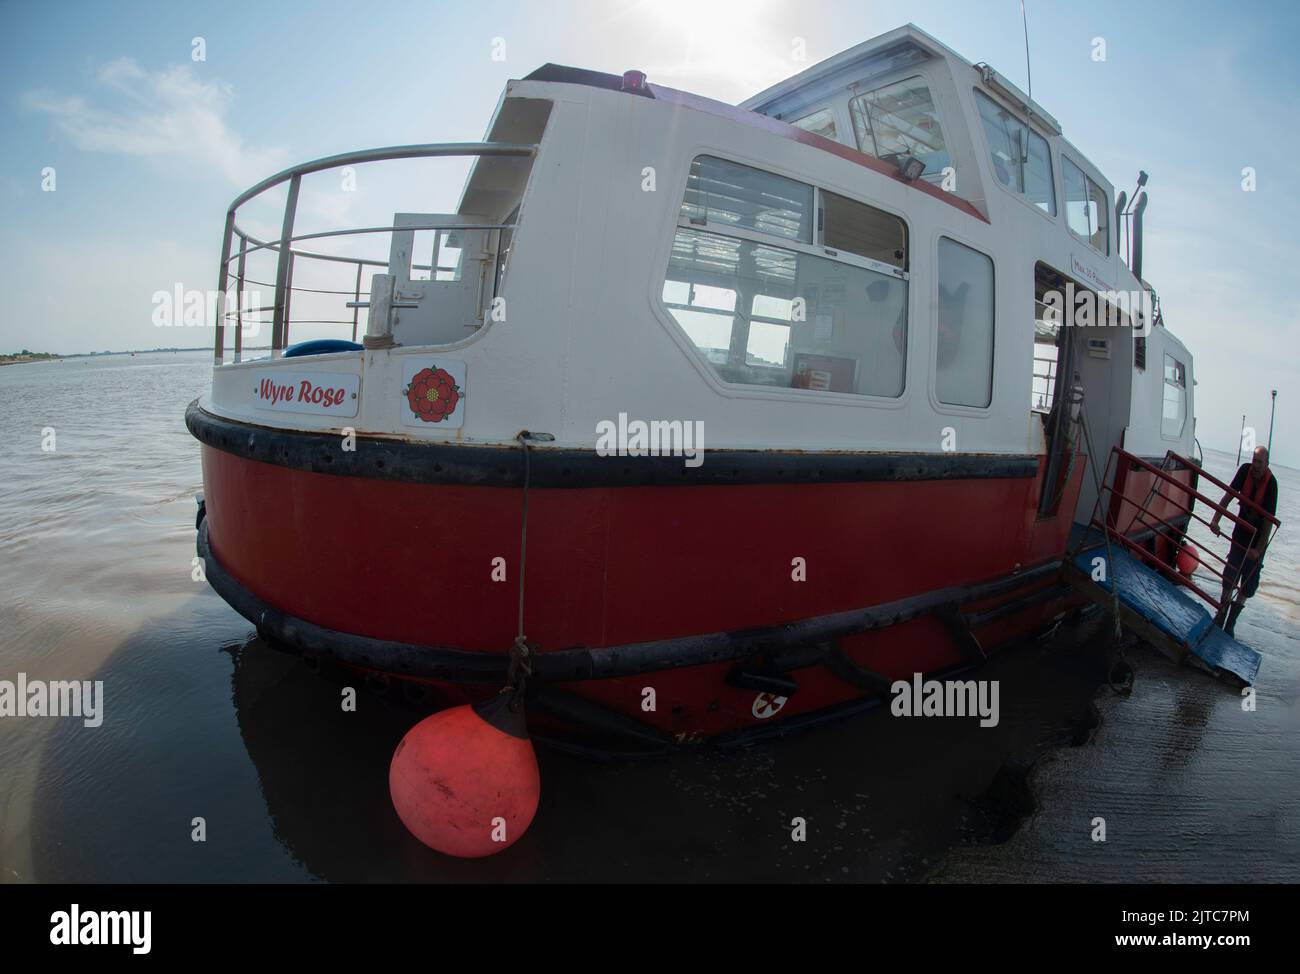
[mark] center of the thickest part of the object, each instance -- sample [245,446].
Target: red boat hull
[610,566]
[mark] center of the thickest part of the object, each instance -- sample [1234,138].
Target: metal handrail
[1123,462]
[1164,475]
[276,244]
[283,245]
[1238,495]
[1048,380]
[289,289]
[430,150]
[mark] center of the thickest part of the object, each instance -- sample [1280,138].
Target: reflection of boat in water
[323,771]
[321,774]
[844,282]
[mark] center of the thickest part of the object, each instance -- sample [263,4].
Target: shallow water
[202,719]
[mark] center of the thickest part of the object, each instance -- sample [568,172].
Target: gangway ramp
[1125,560]
[1161,612]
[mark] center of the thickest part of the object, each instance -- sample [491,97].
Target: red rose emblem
[433,395]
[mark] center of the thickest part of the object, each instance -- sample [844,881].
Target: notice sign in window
[327,393]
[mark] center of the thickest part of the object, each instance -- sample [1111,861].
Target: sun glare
[716,44]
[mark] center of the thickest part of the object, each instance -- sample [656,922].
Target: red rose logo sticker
[433,395]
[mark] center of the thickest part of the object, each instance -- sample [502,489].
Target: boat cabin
[871,256]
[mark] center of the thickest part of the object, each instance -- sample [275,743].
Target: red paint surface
[608,566]
[463,787]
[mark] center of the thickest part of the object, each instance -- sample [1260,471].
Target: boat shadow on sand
[296,787]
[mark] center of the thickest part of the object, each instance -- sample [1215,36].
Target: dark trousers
[1248,571]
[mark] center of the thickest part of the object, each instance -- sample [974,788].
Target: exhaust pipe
[1119,215]
[1136,263]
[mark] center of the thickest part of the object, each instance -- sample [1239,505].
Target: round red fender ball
[1189,559]
[465,780]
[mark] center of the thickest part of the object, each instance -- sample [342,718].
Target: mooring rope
[521,663]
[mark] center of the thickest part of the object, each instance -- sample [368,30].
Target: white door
[445,273]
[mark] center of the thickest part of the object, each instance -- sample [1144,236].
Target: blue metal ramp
[1224,655]
[1162,613]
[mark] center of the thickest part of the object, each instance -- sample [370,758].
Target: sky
[149,144]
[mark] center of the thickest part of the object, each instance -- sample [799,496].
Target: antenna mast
[1028,74]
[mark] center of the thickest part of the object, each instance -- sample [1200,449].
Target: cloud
[168,114]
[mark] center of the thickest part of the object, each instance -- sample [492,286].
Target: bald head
[1259,462]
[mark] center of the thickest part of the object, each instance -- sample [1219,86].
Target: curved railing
[287,254]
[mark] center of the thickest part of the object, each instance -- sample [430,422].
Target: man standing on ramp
[1255,481]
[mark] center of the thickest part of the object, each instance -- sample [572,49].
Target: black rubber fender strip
[424,462]
[588,714]
[851,673]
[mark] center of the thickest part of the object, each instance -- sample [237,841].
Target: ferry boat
[843,288]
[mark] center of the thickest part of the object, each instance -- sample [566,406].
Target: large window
[1086,207]
[901,119]
[768,305]
[1174,413]
[964,359]
[1021,158]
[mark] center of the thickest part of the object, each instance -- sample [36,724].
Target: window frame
[814,249]
[1089,184]
[828,109]
[731,228]
[933,323]
[856,93]
[1052,155]
[1182,427]
[697,357]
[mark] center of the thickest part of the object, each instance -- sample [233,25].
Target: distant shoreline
[20,358]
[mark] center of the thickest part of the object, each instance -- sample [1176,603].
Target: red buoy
[465,780]
[1189,559]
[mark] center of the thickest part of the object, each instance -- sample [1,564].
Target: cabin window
[964,339]
[446,247]
[1086,207]
[901,119]
[1021,158]
[725,195]
[791,303]
[860,229]
[1174,413]
[764,315]
[819,123]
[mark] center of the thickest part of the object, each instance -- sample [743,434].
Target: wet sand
[1192,789]
[293,788]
